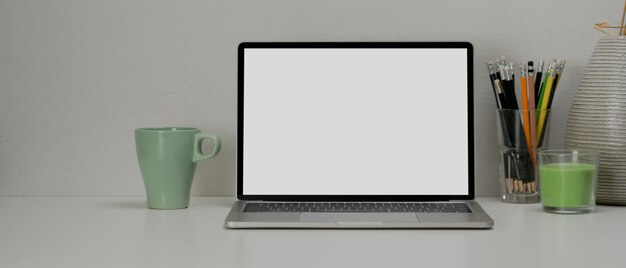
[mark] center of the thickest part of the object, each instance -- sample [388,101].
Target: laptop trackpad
[358,217]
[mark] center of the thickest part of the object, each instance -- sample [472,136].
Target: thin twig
[621,29]
[598,28]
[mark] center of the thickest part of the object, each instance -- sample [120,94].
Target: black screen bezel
[367,45]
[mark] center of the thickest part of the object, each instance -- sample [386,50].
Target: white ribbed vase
[597,117]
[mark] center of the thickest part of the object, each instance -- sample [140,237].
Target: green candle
[567,185]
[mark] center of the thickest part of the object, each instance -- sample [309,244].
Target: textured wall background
[76,77]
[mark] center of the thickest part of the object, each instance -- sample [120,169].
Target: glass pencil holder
[521,134]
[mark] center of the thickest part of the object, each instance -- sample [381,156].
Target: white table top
[122,232]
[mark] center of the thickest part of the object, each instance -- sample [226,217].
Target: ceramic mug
[167,160]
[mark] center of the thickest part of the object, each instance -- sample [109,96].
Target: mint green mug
[167,160]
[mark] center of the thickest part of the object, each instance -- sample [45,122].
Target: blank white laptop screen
[355,121]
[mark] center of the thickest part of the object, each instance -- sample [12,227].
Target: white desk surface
[122,232]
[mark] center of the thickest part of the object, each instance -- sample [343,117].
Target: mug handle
[197,149]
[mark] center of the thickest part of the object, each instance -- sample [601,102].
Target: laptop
[355,135]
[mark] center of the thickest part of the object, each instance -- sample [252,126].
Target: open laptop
[355,135]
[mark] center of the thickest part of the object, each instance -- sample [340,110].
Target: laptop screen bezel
[369,45]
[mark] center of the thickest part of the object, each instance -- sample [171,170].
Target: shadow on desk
[195,202]
[129,204]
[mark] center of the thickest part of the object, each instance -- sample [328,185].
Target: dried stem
[621,25]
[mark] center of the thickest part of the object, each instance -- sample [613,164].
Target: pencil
[557,77]
[525,111]
[512,84]
[523,155]
[509,89]
[492,77]
[518,131]
[511,68]
[560,71]
[544,102]
[542,90]
[499,69]
[532,125]
[502,103]
[538,80]
[507,121]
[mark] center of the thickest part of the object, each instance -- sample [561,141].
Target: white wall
[76,77]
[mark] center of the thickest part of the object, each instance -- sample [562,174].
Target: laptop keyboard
[434,207]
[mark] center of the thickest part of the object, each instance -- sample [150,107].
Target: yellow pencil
[544,102]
